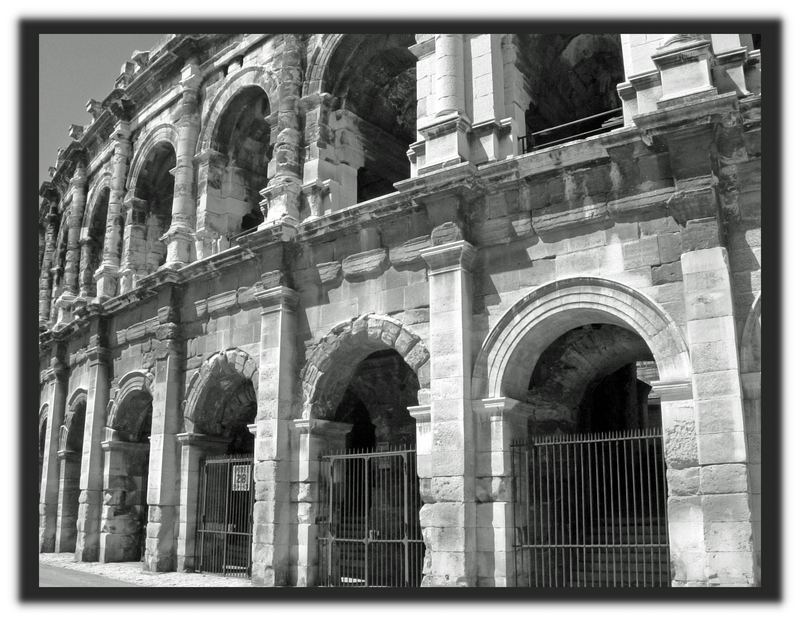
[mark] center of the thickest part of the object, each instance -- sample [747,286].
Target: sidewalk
[132,572]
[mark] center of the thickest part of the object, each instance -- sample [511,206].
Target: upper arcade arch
[750,348]
[246,77]
[513,347]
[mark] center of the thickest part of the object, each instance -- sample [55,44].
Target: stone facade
[257,232]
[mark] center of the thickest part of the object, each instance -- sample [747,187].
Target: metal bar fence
[590,510]
[565,132]
[225,517]
[369,523]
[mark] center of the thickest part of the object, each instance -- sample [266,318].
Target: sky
[74,68]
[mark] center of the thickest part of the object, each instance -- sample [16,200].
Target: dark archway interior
[96,237]
[70,479]
[242,137]
[133,424]
[152,218]
[228,408]
[593,378]
[375,402]
[569,77]
[373,77]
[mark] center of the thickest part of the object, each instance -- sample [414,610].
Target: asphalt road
[58,577]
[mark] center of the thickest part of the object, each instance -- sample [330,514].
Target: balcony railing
[582,128]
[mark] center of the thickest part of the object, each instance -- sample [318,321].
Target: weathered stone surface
[365,264]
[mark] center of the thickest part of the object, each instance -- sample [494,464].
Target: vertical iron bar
[650,508]
[627,537]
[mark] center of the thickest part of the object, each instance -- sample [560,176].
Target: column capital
[128,447]
[501,408]
[673,390]
[98,354]
[451,256]
[201,440]
[277,298]
[420,413]
[68,455]
[321,427]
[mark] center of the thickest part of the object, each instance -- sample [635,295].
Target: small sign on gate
[240,479]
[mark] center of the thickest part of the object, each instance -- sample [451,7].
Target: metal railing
[566,132]
[369,520]
[590,510]
[225,517]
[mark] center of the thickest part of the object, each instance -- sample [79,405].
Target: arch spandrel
[335,357]
[510,351]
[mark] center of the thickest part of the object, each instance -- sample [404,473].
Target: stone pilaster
[134,243]
[282,194]
[56,377]
[179,238]
[315,438]
[107,274]
[448,516]
[85,277]
[163,494]
[277,372]
[500,421]
[684,503]
[721,434]
[87,546]
[194,447]
[77,207]
[69,472]
[45,274]
[122,528]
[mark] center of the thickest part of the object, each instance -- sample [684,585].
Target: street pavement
[50,576]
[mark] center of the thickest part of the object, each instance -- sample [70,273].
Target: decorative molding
[673,390]
[451,256]
[363,264]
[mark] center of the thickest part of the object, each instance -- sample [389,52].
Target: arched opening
[69,480]
[371,502]
[128,464]
[589,379]
[223,410]
[373,114]
[596,473]
[149,214]
[570,82]
[235,169]
[376,402]
[94,241]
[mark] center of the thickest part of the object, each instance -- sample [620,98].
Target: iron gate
[369,520]
[590,510]
[225,524]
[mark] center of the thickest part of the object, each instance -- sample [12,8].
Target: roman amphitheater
[409,310]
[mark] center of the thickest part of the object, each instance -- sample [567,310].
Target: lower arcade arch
[368,515]
[70,454]
[218,462]
[579,358]
[127,464]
